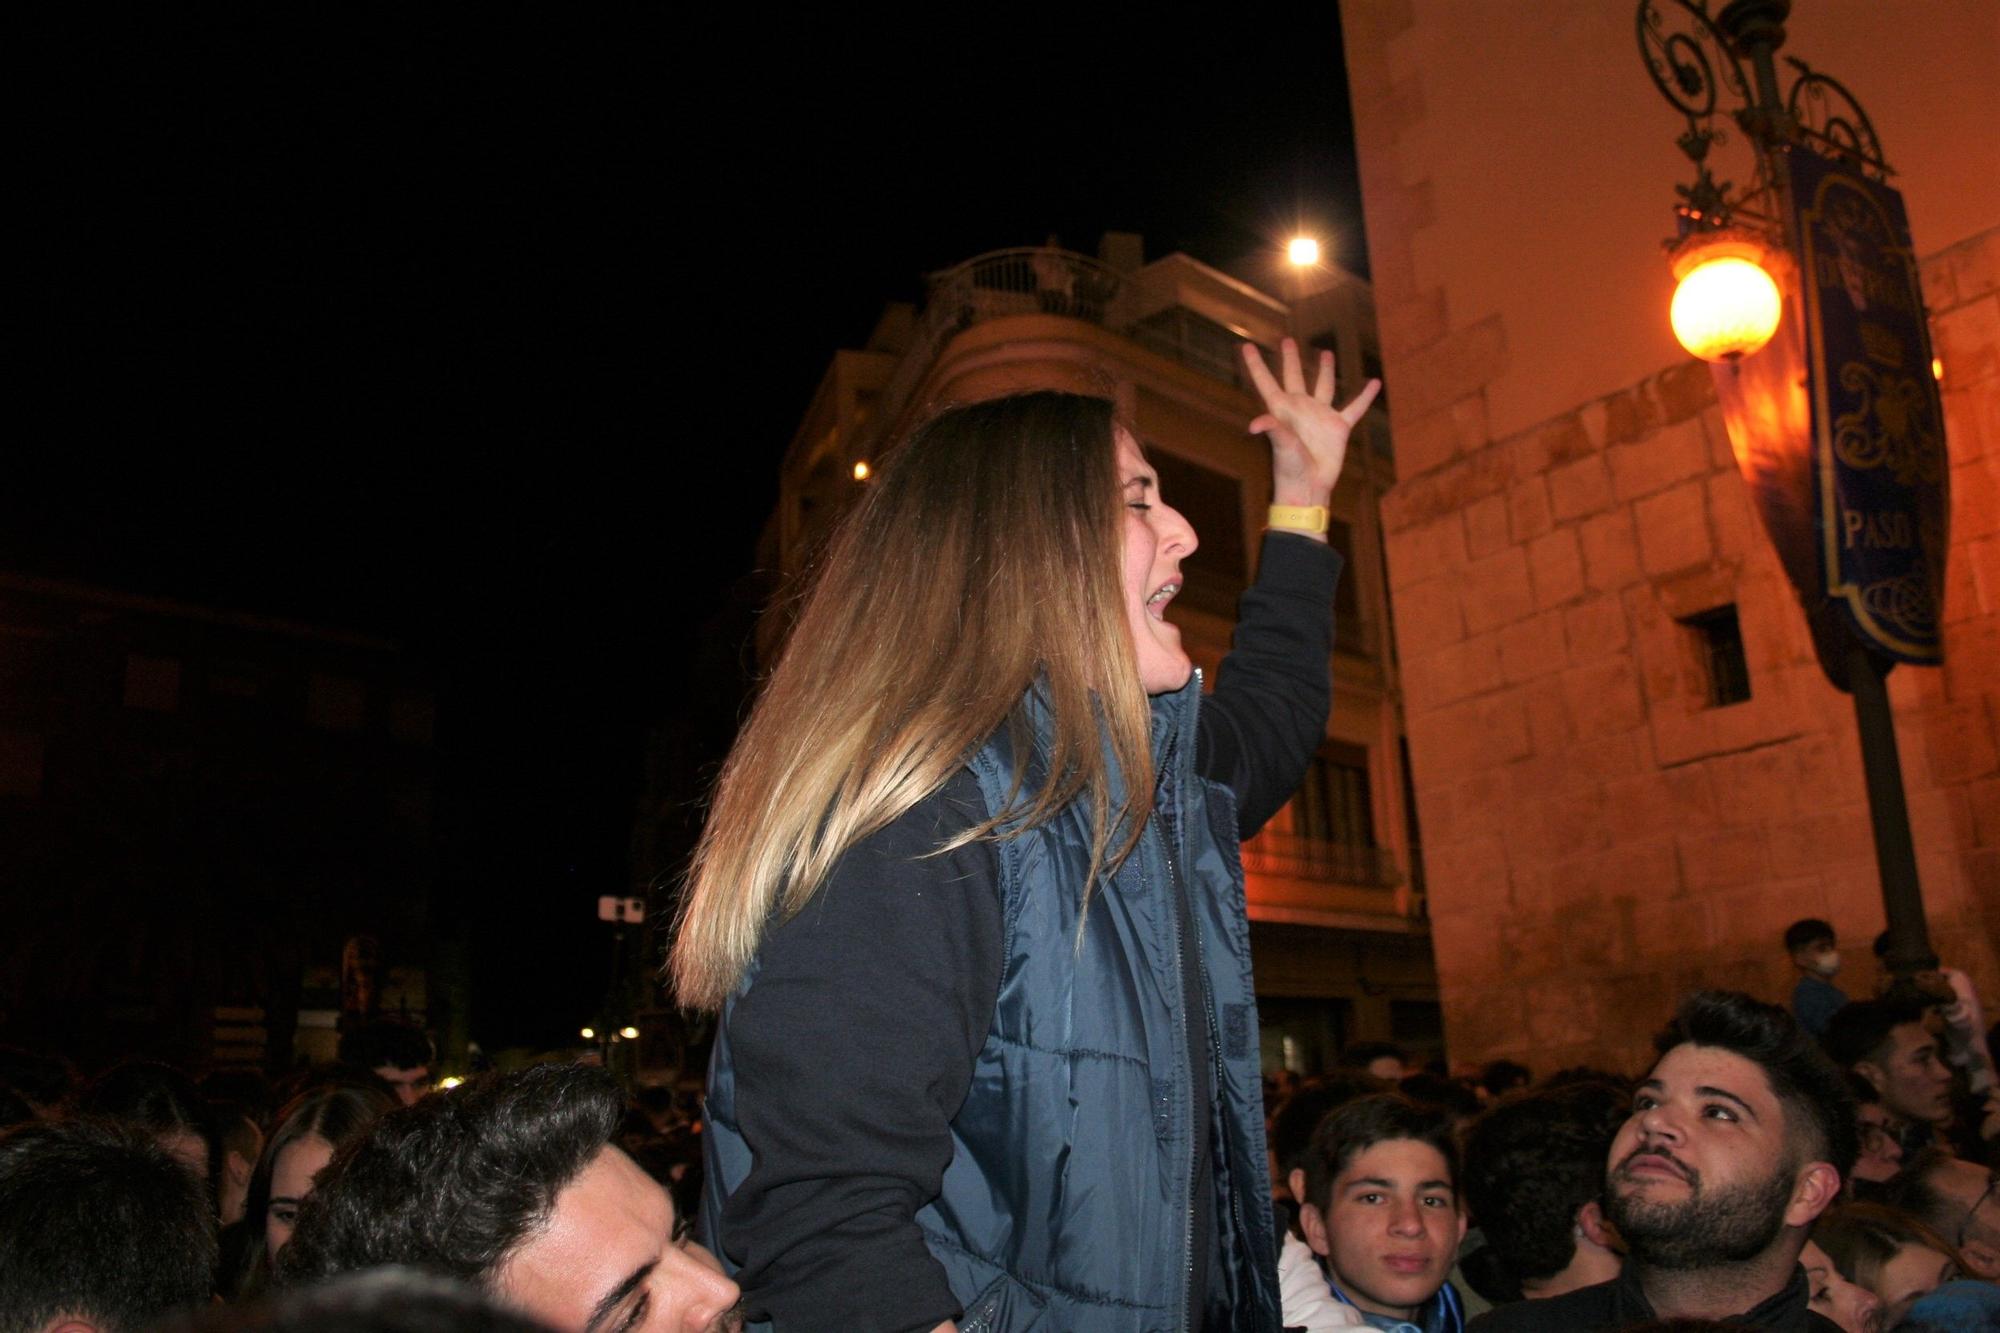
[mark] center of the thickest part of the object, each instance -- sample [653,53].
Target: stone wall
[1599,839]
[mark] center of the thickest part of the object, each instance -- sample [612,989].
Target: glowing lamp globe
[1726,305]
[1303,251]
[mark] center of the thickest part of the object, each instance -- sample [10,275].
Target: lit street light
[1303,251]
[1821,240]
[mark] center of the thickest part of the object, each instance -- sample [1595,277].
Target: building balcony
[1176,308]
[1314,881]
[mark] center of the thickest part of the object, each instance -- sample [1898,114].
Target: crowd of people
[1751,1176]
[141,1198]
[969,909]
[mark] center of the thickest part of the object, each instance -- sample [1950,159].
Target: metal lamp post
[1801,291]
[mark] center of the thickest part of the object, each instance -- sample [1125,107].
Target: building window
[1334,804]
[1718,643]
[1212,503]
[1346,597]
[1371,369]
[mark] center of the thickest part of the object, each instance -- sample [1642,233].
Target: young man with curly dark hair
[512,1183]
[1534,1180]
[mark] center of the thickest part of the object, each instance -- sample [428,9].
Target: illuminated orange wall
[1598,840]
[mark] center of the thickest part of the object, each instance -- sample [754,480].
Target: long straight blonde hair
[986,558]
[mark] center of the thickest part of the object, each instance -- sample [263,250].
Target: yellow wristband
[1305,518]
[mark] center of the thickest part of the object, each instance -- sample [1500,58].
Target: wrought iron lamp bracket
[1830,119]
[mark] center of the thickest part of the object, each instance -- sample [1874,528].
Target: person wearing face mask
[1815,999]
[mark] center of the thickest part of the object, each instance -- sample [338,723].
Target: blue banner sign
[1880,483]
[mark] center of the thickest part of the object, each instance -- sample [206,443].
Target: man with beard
[1738,1139]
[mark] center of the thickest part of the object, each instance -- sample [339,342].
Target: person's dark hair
[1819,1111]
[1447,1093]
[1364,1122]
[1865,1093]
[1362,1053]
[1881,945]
[1860,1030]
[378,1300]
[384,1041]
[1563,1078]
[1912,1191]
[157,1097]
[43,1080]
[1501,1077]
[1805,932]
[456,1182]
[99,1222]
[14,1108]
[340,1113]
[1530,1162]
[1861,1237]
[1299,1115]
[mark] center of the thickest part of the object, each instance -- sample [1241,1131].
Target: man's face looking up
[1703,1172]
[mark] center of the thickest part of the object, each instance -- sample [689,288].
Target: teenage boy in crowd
[1738,1139]
[1382,1216]
[1889,1043]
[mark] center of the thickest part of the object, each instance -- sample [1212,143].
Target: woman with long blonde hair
[969,899]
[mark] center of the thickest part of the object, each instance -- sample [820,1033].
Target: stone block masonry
[1599,838]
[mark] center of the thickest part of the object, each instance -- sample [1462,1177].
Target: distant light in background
[1303,251]
[862,471]
[1937,369]
[629,1033]
[588,1034]
[449,1081]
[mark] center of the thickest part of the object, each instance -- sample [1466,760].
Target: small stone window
[1718,643]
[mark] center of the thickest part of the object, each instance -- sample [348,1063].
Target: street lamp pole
[1675,38]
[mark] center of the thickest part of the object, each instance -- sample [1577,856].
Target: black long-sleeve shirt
[855,1047]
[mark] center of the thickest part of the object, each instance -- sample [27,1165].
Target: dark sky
[488,336]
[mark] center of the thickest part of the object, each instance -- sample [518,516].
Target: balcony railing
[1313,858]
[1042,280]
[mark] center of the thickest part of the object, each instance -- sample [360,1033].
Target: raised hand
[1308,434]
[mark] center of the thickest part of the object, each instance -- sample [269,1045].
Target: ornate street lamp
[1801,291]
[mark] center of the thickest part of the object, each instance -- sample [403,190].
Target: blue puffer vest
[1066,1204]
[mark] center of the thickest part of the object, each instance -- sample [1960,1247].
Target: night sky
[488,338]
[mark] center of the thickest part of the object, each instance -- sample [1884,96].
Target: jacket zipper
[1194,1166]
